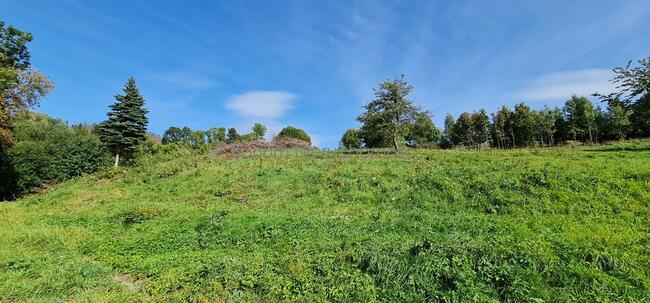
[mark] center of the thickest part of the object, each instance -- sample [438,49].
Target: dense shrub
[48,150]
[7,176]
[292,132]
[351,139]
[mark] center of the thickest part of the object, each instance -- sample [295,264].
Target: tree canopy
[20,86]
[351,139]
[391,113]
[259,130]
[232,136]
[126,126]
[296,133]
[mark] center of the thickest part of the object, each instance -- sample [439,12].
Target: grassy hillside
[552,225]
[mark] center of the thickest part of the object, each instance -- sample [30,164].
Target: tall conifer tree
[126,126]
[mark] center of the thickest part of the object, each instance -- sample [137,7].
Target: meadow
[567,224]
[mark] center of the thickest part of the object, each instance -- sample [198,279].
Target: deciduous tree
[351,139]
[21,87]
[463,131]
[391,112]
[480,127]
[633,84]
[448,132]
[259,130]
[581,116]
[423,132]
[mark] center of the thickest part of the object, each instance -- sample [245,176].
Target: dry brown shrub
[252,146]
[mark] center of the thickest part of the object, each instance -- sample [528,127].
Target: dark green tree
[423,133]
[480,127]
[259,130]
[351,139]
[197,139]
[463,130]
[215,135]
[580,115]
[633,84]
[523,125]
[640,117]
[547,125]
[373,134]
[391,112]
[126,126]
[501,128]
[48,150]
[13,47]
[232,136]
[616,122]
[172,135]
[448,132]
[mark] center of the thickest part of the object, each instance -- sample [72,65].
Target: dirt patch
[129,282]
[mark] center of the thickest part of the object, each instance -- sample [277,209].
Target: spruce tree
[126,126]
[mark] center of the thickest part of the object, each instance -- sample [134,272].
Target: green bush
[292,132]
[351,139]
[48,150]
[7,177]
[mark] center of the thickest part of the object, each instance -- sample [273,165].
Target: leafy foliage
[423,133]
[259,130]
[640,117]
[20,86]
[48,150]
[391,113]
[351,139]
[581,118]
[447,140]
[293,132]
[633,95]
[13,47]
[232,135]
[633,83]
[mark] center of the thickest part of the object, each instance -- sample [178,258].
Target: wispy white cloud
[562,85]
[261,104]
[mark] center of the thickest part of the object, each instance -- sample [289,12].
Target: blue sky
[313,64]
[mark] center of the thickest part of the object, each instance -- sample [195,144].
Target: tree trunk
[395,143]
[573,129]
[117,159]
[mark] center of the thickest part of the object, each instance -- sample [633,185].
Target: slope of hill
[552,225]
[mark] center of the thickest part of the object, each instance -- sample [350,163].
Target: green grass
[547,225]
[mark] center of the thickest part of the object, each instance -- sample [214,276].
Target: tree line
[392,120]
[219,135]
